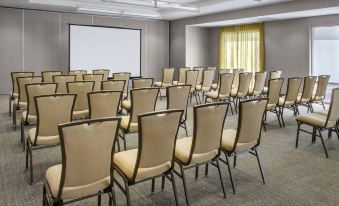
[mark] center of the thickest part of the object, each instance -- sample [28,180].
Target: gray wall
[38,40]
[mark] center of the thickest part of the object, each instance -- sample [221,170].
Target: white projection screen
[96,47]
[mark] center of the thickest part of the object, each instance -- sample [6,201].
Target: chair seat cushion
[124,124]
[315,119]
[271,106]
[175,83]
[126,104]
[214,95]
[234,93]
[323,112]
[157,84]
[254,93]
[201,88]
[228,139]
[126,162]
[317,98]
[53,176]
[215,86]
[303,101]
[31,119]
[20,105]
[182,152]
[80,114]
[15,95]
[283,103]
[43,140]
[265,90]
[125,95]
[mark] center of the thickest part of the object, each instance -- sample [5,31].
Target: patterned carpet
[300,176]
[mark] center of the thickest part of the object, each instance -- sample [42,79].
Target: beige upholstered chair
[289,101]
[200,74]
[80,88]
[320,93]
[236,73]
[207,81]
[154,156]
[182,76]
[274,90]
[123,76]
[62,80]
[177,98]
[191,79]
[113,85]
[273,75]
[14,94]
[104,72]
[247,136]
[21,102]
[204,146]
[217,81]
[142,100]
[167,78]
[30,115]
[46,133]
[86,169]
[305,98]
[78,74]
[241,91]
[97,78]
[259,84]
[47,76]
[104,103]
[320,121]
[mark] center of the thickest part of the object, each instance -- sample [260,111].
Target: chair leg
[282,117]
[184,183]
[113,199]
[196,172]
[234,161]
[297,139]
[174,189]
[127,194]
[44,195]
[153,185]
[220,176]
[99,200]
[230,173]
[314,135]
[337,130]
[163,179]
[124,139]
[231,109]
[14,117]
[27,148]
[322,141]
[206,169]
[322,103]
[30,166]
[10,106]
[261,170]
[185,125]
[278,117]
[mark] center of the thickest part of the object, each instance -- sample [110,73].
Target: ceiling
[164,9]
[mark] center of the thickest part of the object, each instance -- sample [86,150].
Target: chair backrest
[47,76]
[260,79]
[177,98]
[275,74]
[251,113]
[208,77]
[309,84]
[97,78]
[78,74]
[104,103]
[62,80]
[274,90]
[223,71]
[15,75]
[182,74]
[123,76]
[191,78]
[293,87]
[333,114]
[236,73]
[154,149]
[200,70]
[167,75]
[22,82]
[322,85]
[142,101]
[244,82]
[142,83]
[48,119]
[113,85]
[37,89]
[225,83]
[87,148]
[208,125]
[104,72]
[80,88]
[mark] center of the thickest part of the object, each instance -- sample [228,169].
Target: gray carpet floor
[300,176]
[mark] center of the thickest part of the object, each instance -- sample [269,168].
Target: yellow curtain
[242,46]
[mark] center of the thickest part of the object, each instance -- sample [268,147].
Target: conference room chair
[154,156]
[62,80]
[206,85]
[203,148]
[167,79]
[305,98]
[14,94]
[46,133]
[104,72]
[21,102]
[273,75]
[97,78]
[246,138]
[259,84]
[86,169]
[289,100]
[123,76]
[113,85]
[212,67]
[142,101]
[177,98]
[320,93]
[236,73]
[241,91]
[200,70]
[182,76]
[191,79]
[80,88]
[47,76]
[274,91]
[321,121]
[217,81]
[29,116]
[78,74]
[137,84]
[104,103]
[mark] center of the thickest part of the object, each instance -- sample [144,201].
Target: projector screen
[95,47]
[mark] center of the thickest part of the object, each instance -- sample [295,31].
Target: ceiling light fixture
[168,5]
[98,11]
